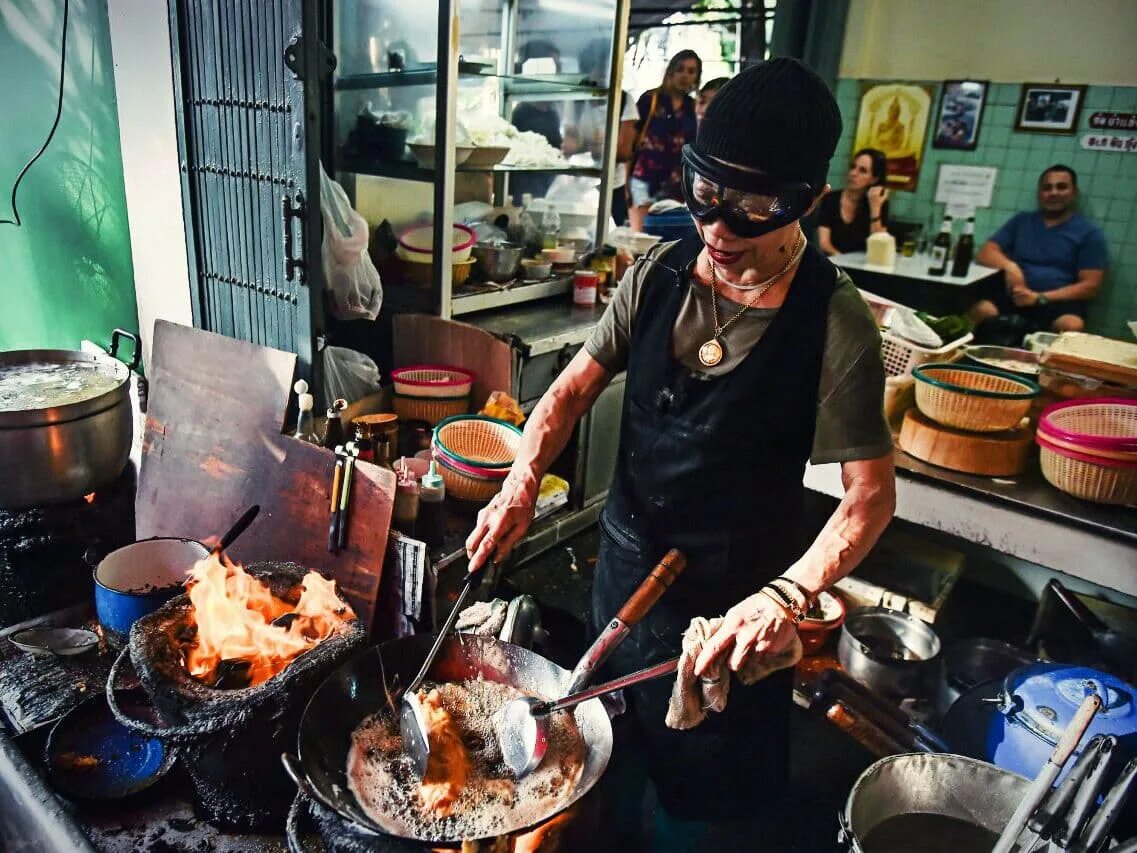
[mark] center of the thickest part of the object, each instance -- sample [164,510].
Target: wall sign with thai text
[1109,142]
[1113,121]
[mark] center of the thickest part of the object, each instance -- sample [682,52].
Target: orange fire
[234,613]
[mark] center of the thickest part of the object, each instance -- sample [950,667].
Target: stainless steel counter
[540,327]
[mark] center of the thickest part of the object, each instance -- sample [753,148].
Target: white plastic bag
[350,277]
[348,374]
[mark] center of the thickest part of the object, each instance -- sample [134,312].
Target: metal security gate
[248,149]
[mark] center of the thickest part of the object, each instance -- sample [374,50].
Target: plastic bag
[348,374]
[349,275]
[907,325]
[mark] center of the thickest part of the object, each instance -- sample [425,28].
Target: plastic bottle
[406,509]
[964,250]
[431,527]
[305,423]
[940,249]
[550,225]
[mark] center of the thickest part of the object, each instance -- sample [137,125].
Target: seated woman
[845,219]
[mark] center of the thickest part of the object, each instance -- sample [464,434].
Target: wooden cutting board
[213,447]
[990,454]
[1095,356]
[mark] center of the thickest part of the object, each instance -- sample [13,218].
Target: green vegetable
[949,328]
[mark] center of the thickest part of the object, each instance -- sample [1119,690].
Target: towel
[692,697]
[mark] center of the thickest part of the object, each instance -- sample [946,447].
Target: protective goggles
[748,203]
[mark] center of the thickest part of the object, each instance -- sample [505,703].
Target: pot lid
[1045,697]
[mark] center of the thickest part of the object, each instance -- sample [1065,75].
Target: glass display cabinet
[499,102]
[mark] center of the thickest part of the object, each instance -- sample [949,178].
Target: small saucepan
[139,578]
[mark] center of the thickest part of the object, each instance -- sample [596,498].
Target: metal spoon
[521,724]
[524,755]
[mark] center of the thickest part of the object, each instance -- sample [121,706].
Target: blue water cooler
[672,225]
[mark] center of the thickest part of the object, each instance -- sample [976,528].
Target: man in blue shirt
[1053,259]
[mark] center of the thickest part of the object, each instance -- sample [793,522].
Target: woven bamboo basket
[465,486]
[411,407]
[979,399]
[478,440]
[1086,476]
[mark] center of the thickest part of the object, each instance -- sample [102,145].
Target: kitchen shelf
[410,170]
[471,302]
[512,84]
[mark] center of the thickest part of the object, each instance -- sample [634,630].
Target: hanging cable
[51,133]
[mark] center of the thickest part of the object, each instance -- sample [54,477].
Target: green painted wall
[65,270]
[1106,183]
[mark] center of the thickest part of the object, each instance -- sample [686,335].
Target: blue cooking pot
[1017,727]
[139,578]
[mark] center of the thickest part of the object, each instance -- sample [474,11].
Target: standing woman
[667,123]
[846,219]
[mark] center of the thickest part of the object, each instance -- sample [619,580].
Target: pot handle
[136,357]
[292,824]
[170,733]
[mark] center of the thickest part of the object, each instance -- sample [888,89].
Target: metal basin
[498,262]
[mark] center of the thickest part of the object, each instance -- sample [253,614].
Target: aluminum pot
[936,802]
[966,663]
[66,449]
[498,261]
[891,652]
[137,579]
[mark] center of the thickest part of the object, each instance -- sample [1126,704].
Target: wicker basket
[1093,425]
[410,407]
[901,355]
[1088,477]
[465,486]
[432,380]
[979,399]
[478,440]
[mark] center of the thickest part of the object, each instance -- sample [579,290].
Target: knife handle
[652,587]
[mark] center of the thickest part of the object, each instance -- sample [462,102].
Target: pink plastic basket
[1103,423]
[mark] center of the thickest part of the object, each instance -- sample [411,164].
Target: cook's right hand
[502,522]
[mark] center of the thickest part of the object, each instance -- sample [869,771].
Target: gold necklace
[710,353]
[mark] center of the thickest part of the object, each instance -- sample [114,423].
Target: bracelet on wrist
[786,600]
[781,604]
[806,594]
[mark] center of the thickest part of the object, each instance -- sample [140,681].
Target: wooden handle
[1073,734]
[653,586]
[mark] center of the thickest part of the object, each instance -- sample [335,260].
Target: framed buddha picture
[893,118]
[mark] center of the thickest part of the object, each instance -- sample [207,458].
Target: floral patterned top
[659,159]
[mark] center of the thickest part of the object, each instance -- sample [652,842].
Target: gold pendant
[710,353]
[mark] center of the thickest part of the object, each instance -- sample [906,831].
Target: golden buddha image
[894,118]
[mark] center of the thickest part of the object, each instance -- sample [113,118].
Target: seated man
[1053,259]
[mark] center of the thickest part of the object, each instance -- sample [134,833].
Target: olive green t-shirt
[850,416]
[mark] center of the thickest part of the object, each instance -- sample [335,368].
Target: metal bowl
[1020,362]
[498,261]
[891,652]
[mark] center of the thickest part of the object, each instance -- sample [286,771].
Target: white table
[908,282]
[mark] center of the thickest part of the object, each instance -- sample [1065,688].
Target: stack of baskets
[431,392]
[474,454]
[971,398]
[1089,448]
[901,355]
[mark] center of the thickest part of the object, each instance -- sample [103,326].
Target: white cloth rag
[692,697]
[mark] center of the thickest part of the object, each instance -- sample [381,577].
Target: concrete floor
[826,762]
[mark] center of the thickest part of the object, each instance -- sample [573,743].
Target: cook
[747,353]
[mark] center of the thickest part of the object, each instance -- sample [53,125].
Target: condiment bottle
[305,423]
[364,442]
[333,430]
[604,265]
[406,508]
[431,527]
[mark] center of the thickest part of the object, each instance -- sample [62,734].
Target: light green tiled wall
[1107,181]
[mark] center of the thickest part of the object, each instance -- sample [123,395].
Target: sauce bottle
[431,527]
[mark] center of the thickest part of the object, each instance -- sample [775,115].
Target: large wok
[357,689]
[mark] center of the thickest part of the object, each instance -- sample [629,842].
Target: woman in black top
[845,219]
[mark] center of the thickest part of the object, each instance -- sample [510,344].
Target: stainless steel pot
[498,261]
[58,453]
[888,651]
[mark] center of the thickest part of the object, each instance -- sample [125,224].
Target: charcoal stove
[231,739]
[44,550]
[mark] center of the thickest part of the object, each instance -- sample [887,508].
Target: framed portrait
[893,118]
[961,111]
[1049,108]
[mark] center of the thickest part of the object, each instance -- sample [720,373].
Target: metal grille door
[242,145]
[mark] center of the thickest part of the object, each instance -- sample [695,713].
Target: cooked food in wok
[467,790]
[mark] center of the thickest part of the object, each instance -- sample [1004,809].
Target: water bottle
[550,226]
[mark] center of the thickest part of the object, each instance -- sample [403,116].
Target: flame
[89,497]
[234,613]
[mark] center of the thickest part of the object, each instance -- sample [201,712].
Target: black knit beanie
[778,117]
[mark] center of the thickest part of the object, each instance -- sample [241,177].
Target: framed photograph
[1049,108]
[893,118]
[961,111]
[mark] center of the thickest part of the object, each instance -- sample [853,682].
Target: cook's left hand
[754,626]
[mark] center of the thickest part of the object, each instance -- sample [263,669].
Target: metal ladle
[522,725]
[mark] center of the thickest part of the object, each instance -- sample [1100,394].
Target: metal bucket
[937,784]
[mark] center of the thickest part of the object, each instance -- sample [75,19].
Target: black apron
[713,467]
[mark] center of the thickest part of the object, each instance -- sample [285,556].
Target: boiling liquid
[928,833]
[43,385]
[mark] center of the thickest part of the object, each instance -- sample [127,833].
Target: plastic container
[1087,476]
[585,287]
[431,527]
[478,441]
[901,355]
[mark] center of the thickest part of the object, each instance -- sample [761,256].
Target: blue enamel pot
[139,578]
